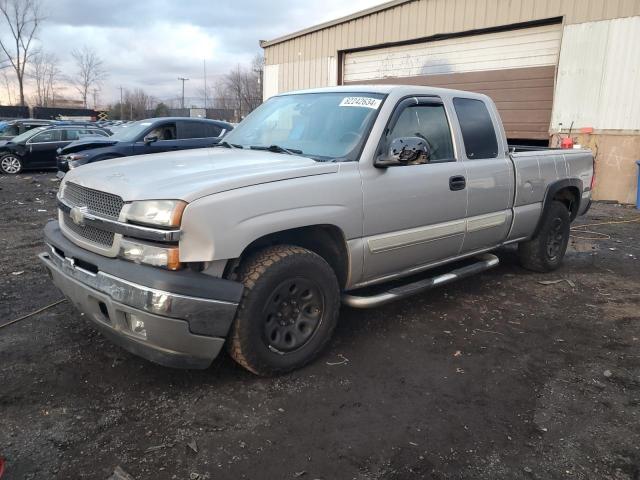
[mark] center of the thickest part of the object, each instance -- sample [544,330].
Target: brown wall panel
[524,96]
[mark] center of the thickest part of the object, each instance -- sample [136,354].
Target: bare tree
[8,84]
[90,72]
[45,71]
[22,18]
[242,88]
[139,102]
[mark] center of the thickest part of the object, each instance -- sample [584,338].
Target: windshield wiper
[276,149]
[227,145]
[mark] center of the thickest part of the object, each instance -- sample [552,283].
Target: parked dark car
[38,147]
[13,128]
[145,136]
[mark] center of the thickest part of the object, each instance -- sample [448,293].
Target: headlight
[167,257]
[162,213]
[72,157]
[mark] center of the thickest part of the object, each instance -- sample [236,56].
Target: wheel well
[328,241]
[570,196]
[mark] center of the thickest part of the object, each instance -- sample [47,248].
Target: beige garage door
[516,68]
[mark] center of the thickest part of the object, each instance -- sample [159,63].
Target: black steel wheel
[555,239]
[288,311]
[545,251]
[292,314]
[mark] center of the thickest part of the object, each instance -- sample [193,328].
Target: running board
[484,262]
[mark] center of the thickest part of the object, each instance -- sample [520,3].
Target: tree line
[22,60]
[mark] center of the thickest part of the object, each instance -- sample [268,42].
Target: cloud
[149,44]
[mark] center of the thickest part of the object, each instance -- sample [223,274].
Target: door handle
[457,182]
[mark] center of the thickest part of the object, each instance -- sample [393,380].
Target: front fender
[222,225]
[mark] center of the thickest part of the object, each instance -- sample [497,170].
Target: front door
[166,139]
[41,149]
[414,214]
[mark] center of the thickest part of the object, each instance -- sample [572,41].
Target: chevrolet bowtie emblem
[77,215]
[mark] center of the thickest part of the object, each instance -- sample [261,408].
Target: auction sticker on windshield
[361,102]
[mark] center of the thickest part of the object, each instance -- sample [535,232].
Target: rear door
[414,214]
[489,174]
[195,134]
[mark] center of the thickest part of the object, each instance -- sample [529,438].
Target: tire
[288,310]
[10,164]
[545,251]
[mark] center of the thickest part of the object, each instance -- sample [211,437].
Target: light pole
[182,79]
[121,114]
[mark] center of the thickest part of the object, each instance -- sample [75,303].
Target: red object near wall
[566,143]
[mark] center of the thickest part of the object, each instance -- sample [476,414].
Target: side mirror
[405,151]
[150,139]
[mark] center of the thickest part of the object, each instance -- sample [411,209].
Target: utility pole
[121,114]
[204,63]
[95,98]
[182,79]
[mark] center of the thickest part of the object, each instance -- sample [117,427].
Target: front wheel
[545,251]
[288,311]
[10,164]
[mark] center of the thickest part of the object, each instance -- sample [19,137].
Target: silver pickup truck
[317,198]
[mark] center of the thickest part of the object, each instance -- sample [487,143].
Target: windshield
[324,126]
[28,134]
[130,131]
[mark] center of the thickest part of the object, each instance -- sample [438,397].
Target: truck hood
[86,144]
[191,174]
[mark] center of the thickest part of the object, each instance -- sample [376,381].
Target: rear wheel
[545,251]
[10,164]
[288,311]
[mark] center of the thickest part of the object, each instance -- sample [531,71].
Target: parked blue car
[144,136]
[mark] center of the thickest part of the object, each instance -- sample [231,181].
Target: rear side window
[199,130]
[479,136]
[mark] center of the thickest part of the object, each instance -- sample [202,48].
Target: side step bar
[484,262]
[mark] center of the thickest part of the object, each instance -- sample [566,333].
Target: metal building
[549,65]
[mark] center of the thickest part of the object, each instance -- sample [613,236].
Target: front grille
[90,234]
[97,202]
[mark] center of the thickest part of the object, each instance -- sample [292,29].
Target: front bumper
[185,316]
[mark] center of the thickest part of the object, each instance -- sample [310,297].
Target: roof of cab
[392,88]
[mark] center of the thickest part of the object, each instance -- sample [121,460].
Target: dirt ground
[496,377]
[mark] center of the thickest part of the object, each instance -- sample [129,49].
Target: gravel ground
[495,377]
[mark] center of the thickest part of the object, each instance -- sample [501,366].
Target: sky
[150,43]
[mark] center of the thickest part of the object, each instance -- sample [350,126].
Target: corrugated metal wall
[303,59]
[599,76]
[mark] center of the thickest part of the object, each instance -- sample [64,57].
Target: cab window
[478,134]
[429,122]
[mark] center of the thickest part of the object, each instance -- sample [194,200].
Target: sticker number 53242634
[366,102]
